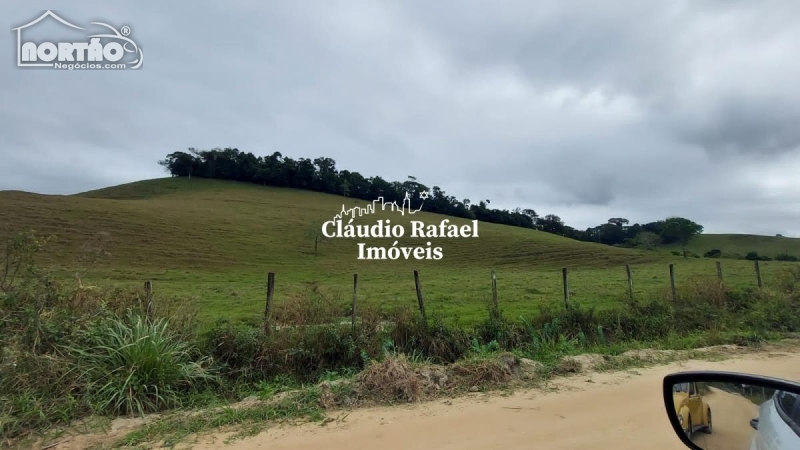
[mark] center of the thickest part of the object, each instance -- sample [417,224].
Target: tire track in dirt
[619,410]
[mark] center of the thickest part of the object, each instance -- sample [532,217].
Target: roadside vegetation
[71,350]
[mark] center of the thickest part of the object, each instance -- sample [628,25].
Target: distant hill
[200,223]
[214,241]
[204,223]
[739,245]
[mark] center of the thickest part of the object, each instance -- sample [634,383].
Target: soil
[614,409]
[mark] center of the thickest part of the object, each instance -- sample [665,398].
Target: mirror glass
[729,416]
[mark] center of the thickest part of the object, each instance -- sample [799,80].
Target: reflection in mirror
[732,416]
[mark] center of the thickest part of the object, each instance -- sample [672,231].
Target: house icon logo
[98,51]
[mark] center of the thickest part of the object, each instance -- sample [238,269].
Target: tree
[178,164]
[530,213]
[633,230]
[611,234]
[551,223]
[618,221]
[321,175]
[654,227]
[646,240]
[679,230]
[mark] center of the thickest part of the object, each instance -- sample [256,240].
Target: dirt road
[731,416]
[610,410]
[606,410]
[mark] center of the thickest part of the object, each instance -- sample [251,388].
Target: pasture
[741,244]
[214,242]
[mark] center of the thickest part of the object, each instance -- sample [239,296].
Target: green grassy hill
[215,241]
[738,245]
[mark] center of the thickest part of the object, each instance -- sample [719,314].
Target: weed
[70,352]
[129,366]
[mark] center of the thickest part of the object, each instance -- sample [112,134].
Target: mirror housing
[687,379]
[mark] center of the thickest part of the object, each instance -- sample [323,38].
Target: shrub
[776,313]
[36,391]
[130,366]
[713,253]
[648,320]
[754,256]
[302,352]
[234,347]
[440,342]
[503,332]
[788,281]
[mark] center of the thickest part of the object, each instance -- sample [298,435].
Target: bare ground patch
[396,380]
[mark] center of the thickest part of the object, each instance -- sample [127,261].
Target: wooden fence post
[148,299]
[672,281]
[721,285]
[758,274]
[630,281]
[494,294]
[419,295]
[355,298]
[566,286]
[268,307]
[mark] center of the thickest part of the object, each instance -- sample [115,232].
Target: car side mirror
[733,410]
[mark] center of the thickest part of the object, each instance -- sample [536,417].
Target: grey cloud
[740,125]
[647,50]
[636,109]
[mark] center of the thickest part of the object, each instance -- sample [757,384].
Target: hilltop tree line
[321,175]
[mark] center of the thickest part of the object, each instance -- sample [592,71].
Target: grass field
[738,245]
[72,351]
[215,241]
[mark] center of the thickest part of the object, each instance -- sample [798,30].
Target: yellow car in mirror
[694,414]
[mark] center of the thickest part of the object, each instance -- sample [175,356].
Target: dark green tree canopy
[321,175]
[679,230]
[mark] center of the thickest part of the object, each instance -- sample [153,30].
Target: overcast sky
[638,109]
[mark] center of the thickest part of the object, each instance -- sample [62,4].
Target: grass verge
[74,352]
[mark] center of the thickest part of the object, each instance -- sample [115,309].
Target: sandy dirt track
[730,415]
[613,410]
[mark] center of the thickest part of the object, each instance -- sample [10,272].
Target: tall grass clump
[308,341]
[434,339]
[67,352]
[498,328]
[130,366]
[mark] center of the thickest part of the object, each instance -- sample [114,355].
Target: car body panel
[689,404]
[778,423]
